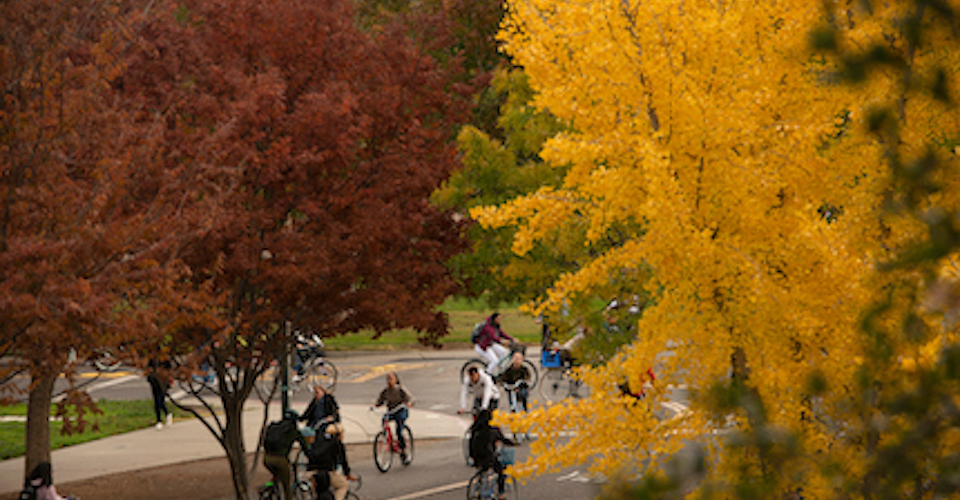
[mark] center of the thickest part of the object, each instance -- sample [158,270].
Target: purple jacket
[492,333]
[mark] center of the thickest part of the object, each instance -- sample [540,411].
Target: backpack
[275,439]
[29,493]
[323,453]
[477,330]
[479,447]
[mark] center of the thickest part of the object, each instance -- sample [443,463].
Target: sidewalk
[188,440]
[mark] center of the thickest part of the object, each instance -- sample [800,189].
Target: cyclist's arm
[408,396]
[381,399]
[487,383]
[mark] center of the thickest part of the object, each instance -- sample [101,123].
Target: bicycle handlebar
[390,412]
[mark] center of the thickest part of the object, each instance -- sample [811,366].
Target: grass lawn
[463,315]
[118,417]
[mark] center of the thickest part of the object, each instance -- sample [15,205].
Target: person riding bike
[322,410]
[483,447]
[277,442]
[515,378]
[486,395]
[489,344]
[395,395]
[328,457]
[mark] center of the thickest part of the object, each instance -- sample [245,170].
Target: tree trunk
[236,451]
[38,421]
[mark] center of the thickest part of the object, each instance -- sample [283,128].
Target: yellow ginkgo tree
[778,209]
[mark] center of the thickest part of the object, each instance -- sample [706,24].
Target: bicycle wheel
[303,490]
[483,486]
[270,491]
[475,487]
[510,490]
[534,375]
[408,442]
[555,385]
[466,448]
[301,477]
[106,361]
[321,372]
[479,363]
[382,454]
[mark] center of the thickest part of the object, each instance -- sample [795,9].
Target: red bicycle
[386,444]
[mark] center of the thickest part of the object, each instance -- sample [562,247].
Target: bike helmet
[291,414]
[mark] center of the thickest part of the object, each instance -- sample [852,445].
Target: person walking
[158,387]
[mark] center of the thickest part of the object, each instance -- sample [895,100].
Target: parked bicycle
[483,484]
[387,444]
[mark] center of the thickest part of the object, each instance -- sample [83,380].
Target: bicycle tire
[106,362]
[300,472]
[510,489]
[475,486]
[555,385]
[483,486]
[271,492]
[382,454]
[407,457]
[351,496]
[534,374]
[303,490]
[479,363]
[321,372]
[466,448]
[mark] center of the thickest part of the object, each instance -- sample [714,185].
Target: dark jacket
[320,409]
[326,457]
[287,434]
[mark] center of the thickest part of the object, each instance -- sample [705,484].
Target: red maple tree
[315,147]
[79,236]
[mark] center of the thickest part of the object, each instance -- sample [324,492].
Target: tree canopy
[756,188]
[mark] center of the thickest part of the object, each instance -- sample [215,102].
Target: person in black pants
[483,447]
[158,386]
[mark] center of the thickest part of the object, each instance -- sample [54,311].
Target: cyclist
[305,345]
[489,344]
[516,376]
[395,395]
[328,457]
[486,396]
[322,410]
[483,447]
[277,442]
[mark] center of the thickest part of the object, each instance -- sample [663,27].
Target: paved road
[432,376]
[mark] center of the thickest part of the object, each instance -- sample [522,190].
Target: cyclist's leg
[339,485]
[279,466]
[400,417]
[496,355]
[522,394]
